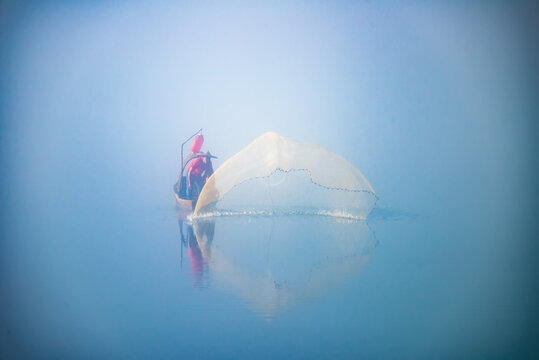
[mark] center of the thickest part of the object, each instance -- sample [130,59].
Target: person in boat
[199,169]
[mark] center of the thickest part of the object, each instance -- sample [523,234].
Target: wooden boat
[186,204]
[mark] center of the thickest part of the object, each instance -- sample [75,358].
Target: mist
[432,102]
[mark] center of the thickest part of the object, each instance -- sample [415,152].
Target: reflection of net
[278,262]
[277,175]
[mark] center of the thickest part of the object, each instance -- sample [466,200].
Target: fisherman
[199,169]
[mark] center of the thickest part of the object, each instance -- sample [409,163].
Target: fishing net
[276,175]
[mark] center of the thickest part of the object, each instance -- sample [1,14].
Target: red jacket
[196,167]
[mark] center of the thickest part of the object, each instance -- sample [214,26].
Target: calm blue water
[431,103]
[103,282]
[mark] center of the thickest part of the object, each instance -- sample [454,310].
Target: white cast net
[276,175]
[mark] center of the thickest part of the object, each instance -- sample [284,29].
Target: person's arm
[207,169]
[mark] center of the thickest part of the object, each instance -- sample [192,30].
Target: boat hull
[184,206]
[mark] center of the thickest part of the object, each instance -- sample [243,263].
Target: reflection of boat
[189,241]
[184,199]
[278,262]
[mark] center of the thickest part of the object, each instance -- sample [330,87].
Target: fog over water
[434,104]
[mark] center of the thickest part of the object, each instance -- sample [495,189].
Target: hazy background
[435,104]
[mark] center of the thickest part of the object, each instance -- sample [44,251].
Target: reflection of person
[197,261]
[189,239]
[199,169]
